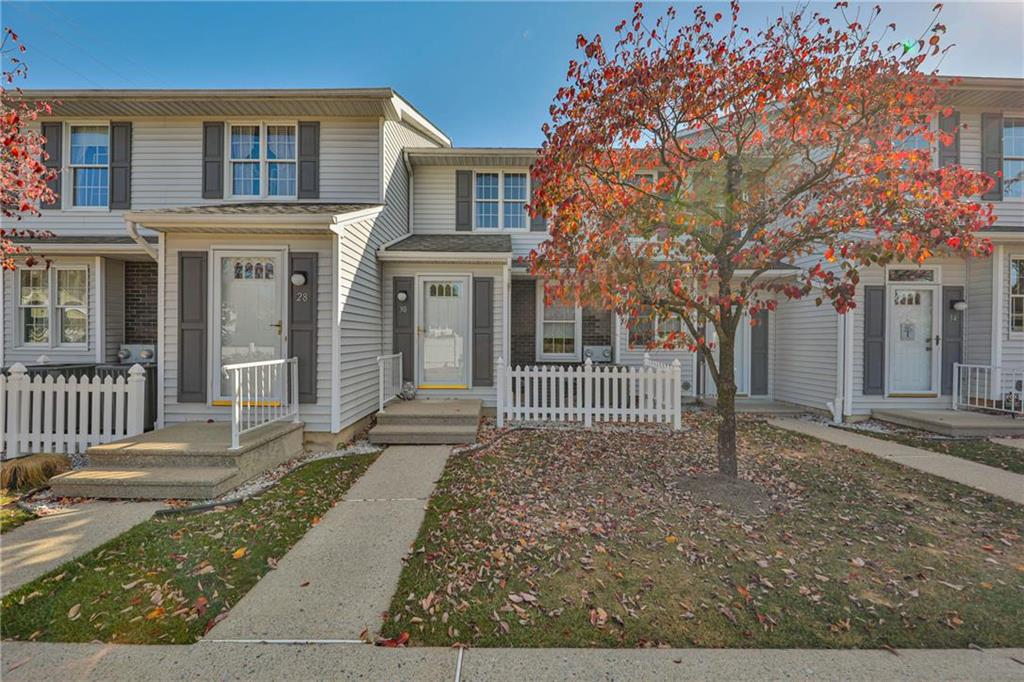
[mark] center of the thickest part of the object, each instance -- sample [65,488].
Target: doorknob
[938,339]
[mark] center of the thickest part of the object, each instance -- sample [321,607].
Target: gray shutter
[192,297]
[53,131]
[213,160]
[309,160]
[483,331]
[302,321]
[949,155]
[120,165]
[992,153]
[463,200]
[759,355]
[537,223]
[952,335]
[874,340]
[402,324]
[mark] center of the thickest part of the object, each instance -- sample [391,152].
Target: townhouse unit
[339,226]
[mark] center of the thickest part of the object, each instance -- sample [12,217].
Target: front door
[443,332]
[741,359]
[249,309]
[913,334]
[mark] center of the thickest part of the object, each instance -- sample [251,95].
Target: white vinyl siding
[113,308]
[806,358]
[978,320]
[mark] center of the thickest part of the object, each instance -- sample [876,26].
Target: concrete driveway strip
[988,479]
[43,544]
[338,579]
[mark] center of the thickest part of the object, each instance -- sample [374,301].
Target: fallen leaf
[74,612]
[394,642]
[158,612]
[239,553]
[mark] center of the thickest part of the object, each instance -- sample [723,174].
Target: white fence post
[136,396]
[501,392]
[588,393]
[677,395]
[15,382]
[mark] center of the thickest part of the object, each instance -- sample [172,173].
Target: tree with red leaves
[24,183]
[707,171]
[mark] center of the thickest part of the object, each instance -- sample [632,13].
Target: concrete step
[468,421]
[128,459]
[189,483]
[419,434]
[955,423]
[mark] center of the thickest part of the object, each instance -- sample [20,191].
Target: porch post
[136,392]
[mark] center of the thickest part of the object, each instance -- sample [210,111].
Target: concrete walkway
[237,661]
[985,478]
[43,544]
[338,579]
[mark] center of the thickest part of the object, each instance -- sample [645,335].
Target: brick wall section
[597,324]
[140,287]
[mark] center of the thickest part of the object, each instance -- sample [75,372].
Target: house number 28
[301,296]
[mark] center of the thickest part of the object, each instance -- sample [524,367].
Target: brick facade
[597,324]
[140,288]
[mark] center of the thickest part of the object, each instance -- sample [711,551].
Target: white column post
[15,381]
[294,364]
[956,383]
[135,392]
[501,392]
[380,383]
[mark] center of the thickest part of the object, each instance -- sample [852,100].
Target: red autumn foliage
[23,183]
[781,146]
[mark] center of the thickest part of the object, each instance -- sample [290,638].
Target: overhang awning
[451,247]
[257,216]
[477,157]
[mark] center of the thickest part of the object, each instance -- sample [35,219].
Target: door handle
[938,339]
[278,325]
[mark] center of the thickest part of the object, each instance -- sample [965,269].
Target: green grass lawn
[166,580]
[11,516]
[579,538]
[980,450]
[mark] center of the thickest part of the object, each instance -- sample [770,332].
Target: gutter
[133,232]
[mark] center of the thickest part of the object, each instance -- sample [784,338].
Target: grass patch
[11,515]
[980,450]
[577,538]
[168,579]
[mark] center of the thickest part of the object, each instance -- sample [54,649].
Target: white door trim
[419,301]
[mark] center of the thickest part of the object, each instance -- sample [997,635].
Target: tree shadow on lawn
[573,537]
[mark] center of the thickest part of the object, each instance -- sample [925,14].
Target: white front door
[913,337]
[249,311]
[443,332]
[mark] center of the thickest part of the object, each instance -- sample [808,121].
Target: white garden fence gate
[590,393]
[67,415]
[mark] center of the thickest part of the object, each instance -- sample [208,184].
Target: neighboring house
[185,214]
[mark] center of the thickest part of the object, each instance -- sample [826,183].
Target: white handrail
[262,393]
[988,387]
[389,375]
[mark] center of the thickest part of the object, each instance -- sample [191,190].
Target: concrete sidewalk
[235,661]
[43,544]
[985,478]
[339,578]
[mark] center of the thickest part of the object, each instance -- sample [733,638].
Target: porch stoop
[191,461]
[423,422]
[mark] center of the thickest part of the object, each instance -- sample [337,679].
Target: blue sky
[483,72]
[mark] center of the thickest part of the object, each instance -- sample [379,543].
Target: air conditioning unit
[597,353]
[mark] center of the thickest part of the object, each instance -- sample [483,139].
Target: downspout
[133,232]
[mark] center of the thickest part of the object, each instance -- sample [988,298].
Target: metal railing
[389,372]
[984,387]
[262,393]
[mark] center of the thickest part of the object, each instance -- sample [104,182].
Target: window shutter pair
[308,159]
[119,166]
[464,204]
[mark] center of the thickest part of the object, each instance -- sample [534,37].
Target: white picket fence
[389,378]
[262,393]
[590,393]
[67,415]
[984,387]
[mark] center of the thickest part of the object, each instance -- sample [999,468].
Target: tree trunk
[726,403]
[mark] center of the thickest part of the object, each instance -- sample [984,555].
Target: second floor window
[90,156]
[1013,158]
[500,201]
[262,160]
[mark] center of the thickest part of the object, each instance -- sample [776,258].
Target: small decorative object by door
[906,331]
[408,391]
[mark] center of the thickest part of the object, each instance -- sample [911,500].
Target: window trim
[262,161]
[67,198]
[539,353]
[501,172]
[1007,116]
[53,309]
[1010,295]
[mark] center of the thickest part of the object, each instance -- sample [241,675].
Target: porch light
[298,278]
[959,306]
[402,296]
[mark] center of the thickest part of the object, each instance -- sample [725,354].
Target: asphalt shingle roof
[459,243]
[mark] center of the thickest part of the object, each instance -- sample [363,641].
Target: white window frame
[541,356]
[1015,116]
[501,200]
[53,308]
[657,335]
[1010,296]
[262,162]
[67,199]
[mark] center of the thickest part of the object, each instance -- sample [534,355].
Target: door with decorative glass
[913,341]
[250,316]
[443,332]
